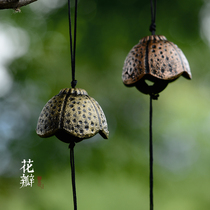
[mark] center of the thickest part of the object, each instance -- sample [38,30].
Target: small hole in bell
[149,82]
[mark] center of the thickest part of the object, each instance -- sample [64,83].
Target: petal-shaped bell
[72,115]
[156,59]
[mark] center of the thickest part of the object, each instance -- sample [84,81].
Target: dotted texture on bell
[72,112]
[155,56]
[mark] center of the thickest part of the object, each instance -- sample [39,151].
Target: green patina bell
[72,116]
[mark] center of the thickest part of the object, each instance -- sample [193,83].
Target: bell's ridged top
[72,115]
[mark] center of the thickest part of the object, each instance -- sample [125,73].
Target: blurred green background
[110,174]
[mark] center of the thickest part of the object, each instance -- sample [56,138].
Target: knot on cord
[73,83]
[152,27]
[72,145]
[154,96]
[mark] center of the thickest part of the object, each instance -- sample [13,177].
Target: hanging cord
[152,27]
[151,155]
[72,45]
[71,147]
[152,97]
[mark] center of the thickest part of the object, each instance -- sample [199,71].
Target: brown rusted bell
[155,59]
[72,115]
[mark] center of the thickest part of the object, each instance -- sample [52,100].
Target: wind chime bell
[72,116]
[155,59]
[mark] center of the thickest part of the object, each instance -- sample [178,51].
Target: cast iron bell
[72,116]
[155,59]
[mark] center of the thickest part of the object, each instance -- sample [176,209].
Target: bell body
[156,59]
[72,115]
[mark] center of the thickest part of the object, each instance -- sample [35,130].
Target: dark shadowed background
[110,174]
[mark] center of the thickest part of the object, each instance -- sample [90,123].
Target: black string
[72,47]
[151,155]
[152,97]
[153,17]
[71,147]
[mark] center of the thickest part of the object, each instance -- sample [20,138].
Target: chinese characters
[27,179]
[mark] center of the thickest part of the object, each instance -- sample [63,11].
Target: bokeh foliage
[111,174]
